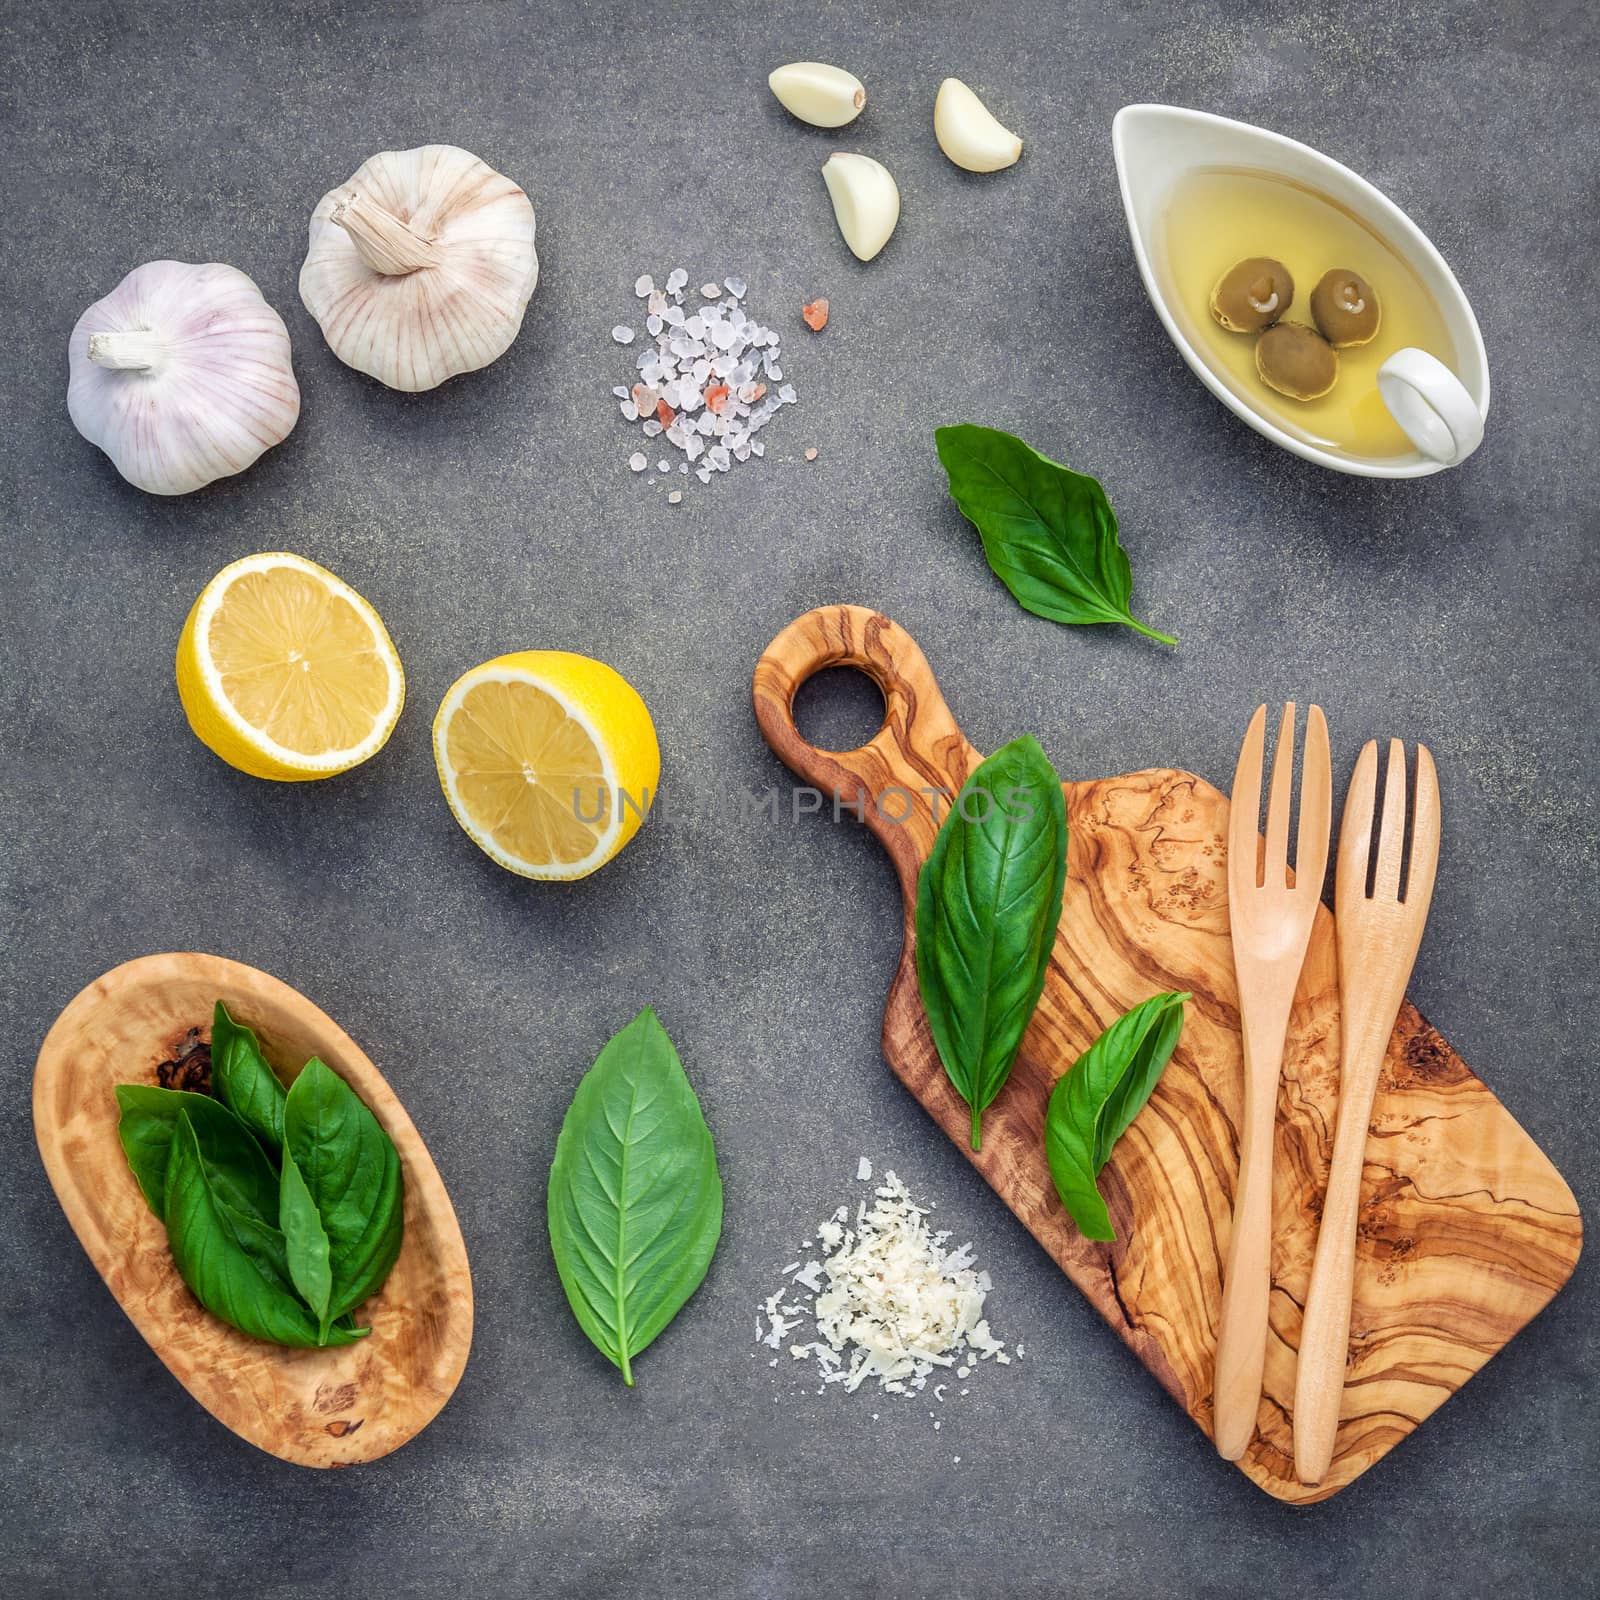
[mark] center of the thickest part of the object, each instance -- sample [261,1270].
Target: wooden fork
[1378,936]
[1271,926]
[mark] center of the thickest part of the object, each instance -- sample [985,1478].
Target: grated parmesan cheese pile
[895,1305]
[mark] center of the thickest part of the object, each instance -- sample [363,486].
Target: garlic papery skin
[181,375]
[135,350]
[866,201]
[384,242]
[421,266]
[969,133]
[824,96]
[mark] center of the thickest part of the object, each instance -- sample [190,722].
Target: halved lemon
[287,673]
[548,759]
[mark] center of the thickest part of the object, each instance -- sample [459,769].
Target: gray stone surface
[497,513]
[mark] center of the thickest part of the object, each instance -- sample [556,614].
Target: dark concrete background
[497,513]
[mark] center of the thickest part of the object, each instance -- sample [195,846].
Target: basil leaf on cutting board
[1097,1098]
[988,901]
[243,1082]
[1049,533]
[635,1200]
[234,1264]
[240,1171]
[353,1202]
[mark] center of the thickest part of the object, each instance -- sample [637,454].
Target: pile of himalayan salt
[709,378]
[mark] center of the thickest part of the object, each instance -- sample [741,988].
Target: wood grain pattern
[1466,1230]
[317,1408]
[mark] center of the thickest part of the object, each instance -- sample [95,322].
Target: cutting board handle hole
[839,709]
[870,715]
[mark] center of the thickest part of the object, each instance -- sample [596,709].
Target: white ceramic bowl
[1441,411]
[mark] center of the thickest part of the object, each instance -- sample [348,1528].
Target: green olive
[1346,308]
[1252,295]
[1297,361]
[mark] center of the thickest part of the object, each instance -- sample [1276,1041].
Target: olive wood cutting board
[1467,1230]
[316,1408]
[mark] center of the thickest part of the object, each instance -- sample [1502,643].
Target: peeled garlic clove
[421,266]
[824,96]
[181,375]
[968,132]
[866,201]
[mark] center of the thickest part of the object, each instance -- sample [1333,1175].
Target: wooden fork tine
[1392,827]
[1279,802]
[1424,831]
[1355,831]
[1244,808]
[1316,806]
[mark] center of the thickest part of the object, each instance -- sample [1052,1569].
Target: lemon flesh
[287,673]
[549,761]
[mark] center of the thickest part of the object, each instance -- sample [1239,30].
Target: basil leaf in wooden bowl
[328,1407]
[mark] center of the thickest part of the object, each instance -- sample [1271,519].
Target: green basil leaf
[351,1172]
[264,1244]
[306,1248]
[1097,1098]
[242,1080]
[234,1263]
[1156,1023]
[240,1173]
[988,902]
[1049,533]
[635,1200]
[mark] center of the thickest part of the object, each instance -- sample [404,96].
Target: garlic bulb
[969,132]
[421,265]
[866,201]
[181,375]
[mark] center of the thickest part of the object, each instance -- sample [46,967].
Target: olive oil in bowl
[1216,217]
